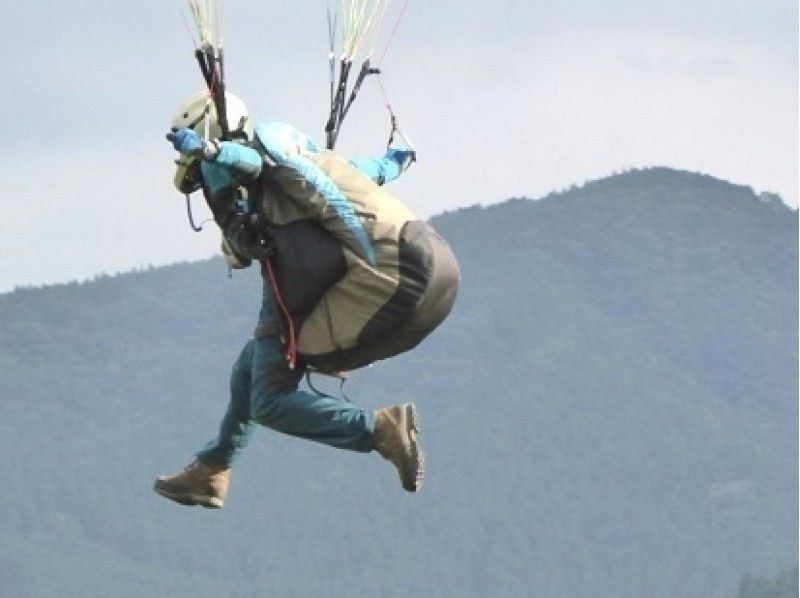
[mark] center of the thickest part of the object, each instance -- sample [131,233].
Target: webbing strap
[340,108]
[212,66]
[291,350]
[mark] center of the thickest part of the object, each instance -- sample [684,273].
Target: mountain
[611,410]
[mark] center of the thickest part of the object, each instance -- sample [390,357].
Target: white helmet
[200,114]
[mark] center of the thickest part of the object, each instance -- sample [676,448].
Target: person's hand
[187,142]
[235,260]
[404,158]
[261,245]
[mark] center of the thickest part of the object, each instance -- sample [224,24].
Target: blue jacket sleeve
[234,165]
[386,169]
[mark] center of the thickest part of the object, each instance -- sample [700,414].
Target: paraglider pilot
[240,178]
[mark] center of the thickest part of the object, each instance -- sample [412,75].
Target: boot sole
[412,480]
[191,500]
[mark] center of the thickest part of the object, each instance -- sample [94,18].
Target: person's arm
[388,168]
[226,166]
[233,166]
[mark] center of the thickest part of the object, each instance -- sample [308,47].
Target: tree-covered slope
[610,411]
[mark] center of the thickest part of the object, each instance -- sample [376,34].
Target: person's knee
[272,383]
[241,371]
[265,407]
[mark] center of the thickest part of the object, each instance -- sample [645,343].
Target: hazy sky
[503,98]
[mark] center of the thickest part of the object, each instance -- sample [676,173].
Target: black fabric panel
[308,260]
[430,310]
[415,271]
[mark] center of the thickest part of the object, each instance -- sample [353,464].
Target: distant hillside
[611,410]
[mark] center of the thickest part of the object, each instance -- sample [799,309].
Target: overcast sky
[502,98]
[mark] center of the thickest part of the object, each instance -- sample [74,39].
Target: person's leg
[236,427]
[275,402]
[264,390]
[205,481]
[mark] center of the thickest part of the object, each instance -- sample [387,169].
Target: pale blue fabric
[234,165]
[386,169]
[278,137]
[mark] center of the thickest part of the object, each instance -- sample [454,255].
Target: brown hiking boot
[395,438]
[197,484]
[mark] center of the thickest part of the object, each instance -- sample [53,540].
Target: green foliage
[610,411]
[785,585]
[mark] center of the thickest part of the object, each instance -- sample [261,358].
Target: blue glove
[187,142]
[403,158]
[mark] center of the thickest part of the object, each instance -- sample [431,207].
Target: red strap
[291,351]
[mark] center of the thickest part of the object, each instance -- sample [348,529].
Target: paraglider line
[394,32]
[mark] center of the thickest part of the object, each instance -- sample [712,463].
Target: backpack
[358,277]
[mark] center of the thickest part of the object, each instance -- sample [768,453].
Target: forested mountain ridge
[610,411]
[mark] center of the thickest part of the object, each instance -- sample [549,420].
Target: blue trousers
[264,391]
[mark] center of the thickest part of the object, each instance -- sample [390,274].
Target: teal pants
[264,391]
